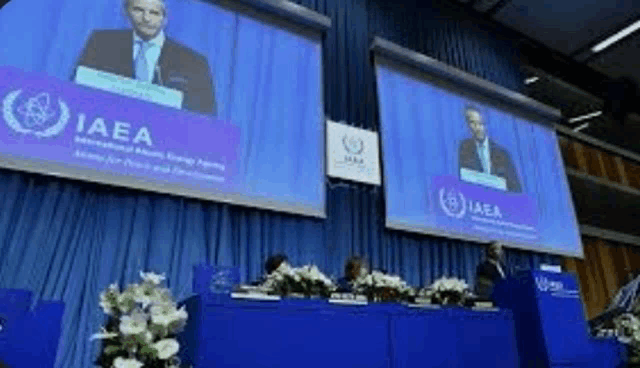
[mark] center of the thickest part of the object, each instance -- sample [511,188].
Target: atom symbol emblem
[452,203]
[353,145]
[36,113]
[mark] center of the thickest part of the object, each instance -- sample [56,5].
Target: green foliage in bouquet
[142,326]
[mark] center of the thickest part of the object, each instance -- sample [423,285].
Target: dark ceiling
[555,40]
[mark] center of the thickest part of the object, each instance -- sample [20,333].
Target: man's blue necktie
[142,68]
[485,161]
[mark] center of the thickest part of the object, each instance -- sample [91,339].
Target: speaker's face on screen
[476,124]
[148,17]
[496,252]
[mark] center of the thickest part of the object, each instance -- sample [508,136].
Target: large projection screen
[467,159]
[219,100]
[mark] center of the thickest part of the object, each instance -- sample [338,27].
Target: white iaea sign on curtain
[352,153]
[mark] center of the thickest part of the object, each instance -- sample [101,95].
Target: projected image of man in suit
[147,54]
[480,153]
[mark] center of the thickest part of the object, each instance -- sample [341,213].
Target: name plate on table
[129,87]
[255,296]
[425,306]
[486,309]
[348,299]
[488,180]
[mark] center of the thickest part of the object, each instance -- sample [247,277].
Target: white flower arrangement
[627,329]
[307,280]
[448,291]
[378,285]
[143,323]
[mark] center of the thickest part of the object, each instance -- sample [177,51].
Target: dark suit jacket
[180,68]
[501,164]
[487,275]
[344,286]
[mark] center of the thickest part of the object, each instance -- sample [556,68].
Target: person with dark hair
[3,364]
[490,271]
[354,268]
[271,264]
[274,262]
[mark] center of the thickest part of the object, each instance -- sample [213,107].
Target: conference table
[228,332]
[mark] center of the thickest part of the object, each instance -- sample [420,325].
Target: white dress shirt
[498,267]
[153,52]
[483,153]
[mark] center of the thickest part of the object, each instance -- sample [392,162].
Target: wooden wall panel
[568,152]
[606,264]
[632,171]
[620,165]
[593,161]
[603,271]
[581,159]
[611,169]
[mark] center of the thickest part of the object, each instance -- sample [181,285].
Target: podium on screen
[129,87]
[480,178]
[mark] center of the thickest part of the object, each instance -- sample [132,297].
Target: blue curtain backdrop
[67,240]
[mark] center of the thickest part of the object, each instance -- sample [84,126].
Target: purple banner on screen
[47,119]
[481,211]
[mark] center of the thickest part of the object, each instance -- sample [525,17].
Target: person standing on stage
[490,271]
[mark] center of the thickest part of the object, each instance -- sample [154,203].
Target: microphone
[159,74]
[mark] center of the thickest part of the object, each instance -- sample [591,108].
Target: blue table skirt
[31,338]
[222,332]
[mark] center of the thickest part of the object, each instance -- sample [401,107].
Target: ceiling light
[617,37]
[581,127]
[585,117]
[531,80]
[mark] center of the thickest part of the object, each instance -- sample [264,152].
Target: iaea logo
[35,115]
[453,203]
[353,145]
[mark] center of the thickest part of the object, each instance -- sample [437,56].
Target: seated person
[490,271]
[623,302]
[271,265]
[352,270]
[628,294]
